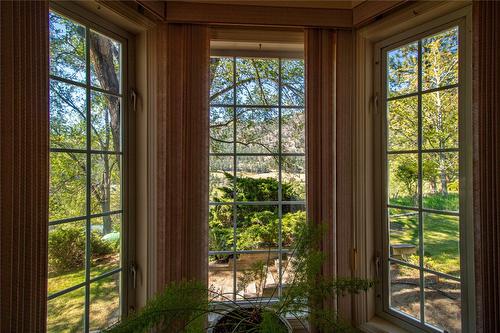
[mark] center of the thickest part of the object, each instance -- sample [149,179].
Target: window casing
[425,145]
[88,215]
[256,132]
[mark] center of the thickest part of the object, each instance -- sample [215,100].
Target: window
[423,98]
[86,167]
[257,173]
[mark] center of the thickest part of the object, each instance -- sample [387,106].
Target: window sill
[380,325]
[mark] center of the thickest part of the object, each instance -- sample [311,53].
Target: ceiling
[330,4]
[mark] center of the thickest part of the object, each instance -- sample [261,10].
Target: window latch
[377,266]
[133,272]
[133,98]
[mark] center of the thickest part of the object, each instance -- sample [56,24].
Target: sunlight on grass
[66,312]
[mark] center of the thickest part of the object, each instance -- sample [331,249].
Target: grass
[441,235]
[65,313]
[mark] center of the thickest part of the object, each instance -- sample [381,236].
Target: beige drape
[180,177]
[329,86]
[24,126]
[486,99]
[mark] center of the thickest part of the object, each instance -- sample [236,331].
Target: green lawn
[65,313]
[440,241]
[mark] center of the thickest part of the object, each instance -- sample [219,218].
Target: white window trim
[412,20]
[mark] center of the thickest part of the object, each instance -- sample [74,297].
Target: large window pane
[440,59]
[104,302]
[221,228]
[256,131]
[257,227]
[105,62]
[85,199]
[66,313]
[68,114]
[257,178]
[404,287]
[293,175]
[67,48]
[402,128]
[221,130]
[440,119]
[292,82]
[443,303]
[402,70]
[67,185]
[257,81]
[105,239]
[106,183]
[442,243]
[293,138]
[403,179]
[106,119]
[221,277]
[221,81]
[294,217]
[66,247]
[221,179]
[404,235]
[440,181]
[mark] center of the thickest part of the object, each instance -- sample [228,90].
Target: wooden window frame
[370,313]
[91,20]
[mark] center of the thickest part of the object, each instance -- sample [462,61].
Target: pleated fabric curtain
[329,86]
[181,67]
[24,165]
[486,109]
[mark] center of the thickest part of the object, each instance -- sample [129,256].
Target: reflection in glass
[257,81]
[221,81]
[292,81]
[402,70]
[221,130]
[256,131]
[404,287]
[105,62]
[221,178]
[66,313]
[293,139]
[221,231]
[403,179]
[106,183]
[66,248]
[105,244]
[67,48]
[257,227]
[440,119]
[404,235]
[293,176]
[257,178]
[67,185]
[402,118]
[220,277]
[68,109]
[104,308]
[257,275]
[440,181]
[442,243]
[440,59]
[106,130]
[442,303]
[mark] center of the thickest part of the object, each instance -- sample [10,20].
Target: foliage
[182,304]
[66,247]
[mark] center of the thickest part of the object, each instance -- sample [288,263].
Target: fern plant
[184,306]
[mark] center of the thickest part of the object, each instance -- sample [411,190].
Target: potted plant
[184,306]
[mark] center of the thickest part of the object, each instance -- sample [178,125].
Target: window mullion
[235,173]
[86,323]
[420,174]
